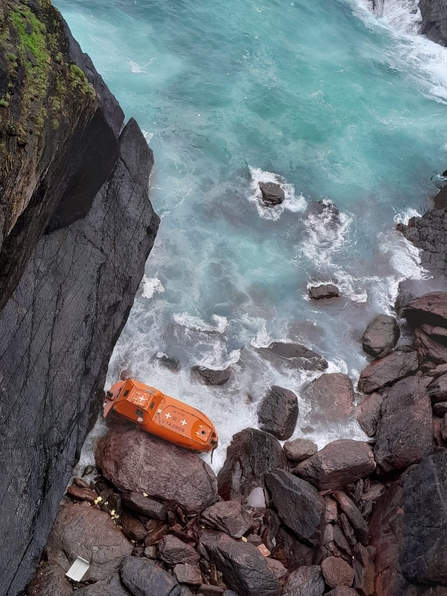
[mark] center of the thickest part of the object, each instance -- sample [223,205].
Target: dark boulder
[290,551]
[212,377]
[91,534]
[111,586]
[324,292]
[298,503]
[429,233]
[168,362]
[423,556]
[437,389]
[49,580]
[305,581]
[229,517]
[294,355]
[429,349]
[430,309]
[188,574]
[138,462]
[337,464]
[83,494]
[132,527]
[440,409]
[272,193]
[434,21]
[144,505]
[364,570]
[250,455]
[299,449]
[173,551]
[342,591]
[243,568]
[337,572]
[143,578]
[331,397]
[381,336]
[388,370]
[404,434]
[368,413]
[278,412]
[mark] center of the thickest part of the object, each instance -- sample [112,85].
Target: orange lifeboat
[161,415]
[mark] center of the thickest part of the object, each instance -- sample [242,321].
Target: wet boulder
[331,397]
[91,534]
[324,292]
[298,503]
[429,349]
[337,464]
[388,370]
[212,377]
[244,569]
[278,412]
[430,309]
[305,581]
[381,336]
[299,449]
[437,389]
[272,193]
[404,434]
[250,455]
[229,517]
[368,413]
[135,461]
[141,576]
[293,355]
[49,580]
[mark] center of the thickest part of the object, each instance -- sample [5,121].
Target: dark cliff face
[434,20]
[76,227]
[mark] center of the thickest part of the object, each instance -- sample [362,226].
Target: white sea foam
[150,286]
[293,203]
[196,324]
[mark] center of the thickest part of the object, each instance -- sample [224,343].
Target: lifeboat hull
[161,415]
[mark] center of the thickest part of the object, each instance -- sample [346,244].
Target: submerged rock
[324,292]
[138,462]
[212,377]
[272,193]
[381,336]
[295,355]
[278,412]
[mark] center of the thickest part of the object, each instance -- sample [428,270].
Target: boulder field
[365,518]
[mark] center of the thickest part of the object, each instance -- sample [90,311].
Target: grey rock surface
[243,567]
[434,20]
[278,412]
[70,292]
[381,336]
[293,356]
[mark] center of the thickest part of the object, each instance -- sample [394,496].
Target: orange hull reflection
[161,415]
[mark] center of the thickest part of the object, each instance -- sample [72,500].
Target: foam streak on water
[339,105]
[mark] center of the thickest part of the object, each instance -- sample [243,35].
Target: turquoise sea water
[322,96]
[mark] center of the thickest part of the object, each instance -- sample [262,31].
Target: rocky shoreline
[352,518]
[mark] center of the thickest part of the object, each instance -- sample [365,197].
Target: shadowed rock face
[70,290]
[434,20]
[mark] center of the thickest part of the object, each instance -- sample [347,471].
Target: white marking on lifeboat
[184,422]
[168,415]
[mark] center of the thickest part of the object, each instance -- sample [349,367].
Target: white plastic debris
[78,569]
[257,497]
